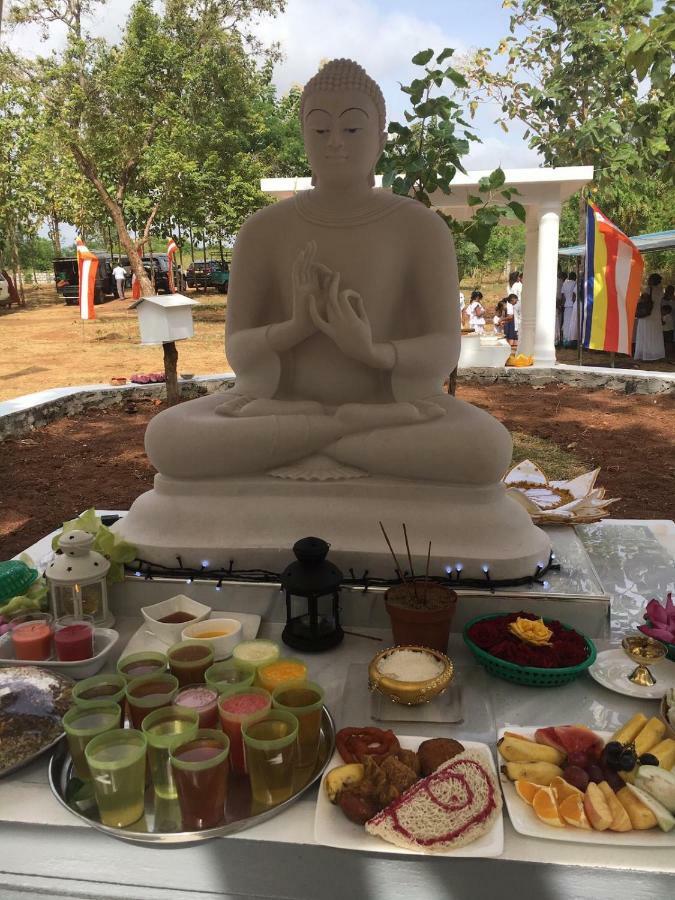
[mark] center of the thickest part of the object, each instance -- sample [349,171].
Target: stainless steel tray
[161,823]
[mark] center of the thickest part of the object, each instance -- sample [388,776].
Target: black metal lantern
[311,578]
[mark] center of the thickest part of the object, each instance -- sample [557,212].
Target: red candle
[32,640]
[74,642]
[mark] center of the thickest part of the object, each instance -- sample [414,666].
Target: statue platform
[254,521]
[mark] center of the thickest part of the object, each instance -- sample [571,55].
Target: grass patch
[555,463]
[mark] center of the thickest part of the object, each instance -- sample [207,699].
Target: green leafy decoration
[106,542]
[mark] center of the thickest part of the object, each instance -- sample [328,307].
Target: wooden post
[171,372]
[180,259]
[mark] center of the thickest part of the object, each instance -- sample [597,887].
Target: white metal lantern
[77,579]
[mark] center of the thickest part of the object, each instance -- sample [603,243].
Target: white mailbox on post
[165,319]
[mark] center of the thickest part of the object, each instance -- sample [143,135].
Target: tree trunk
[13,293]
[452,382]
[89,171]
[171,372]
[54,233]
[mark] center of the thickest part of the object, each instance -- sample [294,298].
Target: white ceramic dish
[170,632]
[104,642]
[222,645]
[146,640]
[525,820]
[333,829]
[612,668]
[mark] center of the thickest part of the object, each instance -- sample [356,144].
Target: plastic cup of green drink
[82,724]
[161,729]
[116,760]
[271,755]
[230,672]
[100,689]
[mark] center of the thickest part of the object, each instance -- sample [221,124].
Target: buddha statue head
[343,118]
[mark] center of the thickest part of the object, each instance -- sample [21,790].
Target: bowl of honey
[167,619]
[222,634]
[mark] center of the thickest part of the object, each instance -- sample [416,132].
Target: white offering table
[46,852]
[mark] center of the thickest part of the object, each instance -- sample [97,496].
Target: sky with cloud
[382,35]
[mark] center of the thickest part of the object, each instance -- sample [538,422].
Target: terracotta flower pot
[414,622]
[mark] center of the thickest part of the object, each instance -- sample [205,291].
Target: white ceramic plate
[144,639]
[104,641]
[525,820]
[333,829]
[612,668]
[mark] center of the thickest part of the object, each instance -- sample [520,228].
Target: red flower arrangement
[567,648]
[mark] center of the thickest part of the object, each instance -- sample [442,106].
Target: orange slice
[546,808]
[572,811]
[526,790]
[563,789]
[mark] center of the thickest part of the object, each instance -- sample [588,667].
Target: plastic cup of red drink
[74,638]
[237,705]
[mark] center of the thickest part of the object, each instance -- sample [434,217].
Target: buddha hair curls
[345,74]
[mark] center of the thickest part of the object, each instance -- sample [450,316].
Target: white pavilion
[542,192]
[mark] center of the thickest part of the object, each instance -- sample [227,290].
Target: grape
[648,759]
[577,777]
[577,758]
[613,779]
[595,774]
[627,761]
[612,752]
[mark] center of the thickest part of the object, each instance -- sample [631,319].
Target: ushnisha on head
[343,117]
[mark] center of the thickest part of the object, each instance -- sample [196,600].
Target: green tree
[562,72]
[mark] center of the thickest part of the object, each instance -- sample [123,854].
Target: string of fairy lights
[230,574]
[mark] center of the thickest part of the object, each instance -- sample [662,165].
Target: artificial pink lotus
[661,619]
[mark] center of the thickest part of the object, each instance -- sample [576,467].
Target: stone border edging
[628,381]
[19,416]
[23,414]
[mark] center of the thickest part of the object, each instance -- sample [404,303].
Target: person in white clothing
[120,276]
[516,284]
[511,320]
[649,343]
[476,312]
[570,313]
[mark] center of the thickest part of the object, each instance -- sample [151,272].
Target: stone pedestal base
[255,521]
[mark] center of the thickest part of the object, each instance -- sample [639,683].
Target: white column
[528,300]
[546,281]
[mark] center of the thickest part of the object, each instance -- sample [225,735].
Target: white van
[4,290]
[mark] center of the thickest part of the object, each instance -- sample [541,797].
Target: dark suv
[160,266]
[67,278]
[212,273]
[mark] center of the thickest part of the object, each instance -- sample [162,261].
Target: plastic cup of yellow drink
[271,755]
[161,728]
[83,724]
[116,760]
[304,699]
[286,668]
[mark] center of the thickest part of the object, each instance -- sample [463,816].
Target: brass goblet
[643,650]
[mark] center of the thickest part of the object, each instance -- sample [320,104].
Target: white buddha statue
[342,323]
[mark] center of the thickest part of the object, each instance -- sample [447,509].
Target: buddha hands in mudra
[343,321]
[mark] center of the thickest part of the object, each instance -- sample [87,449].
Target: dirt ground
[98,459]
[45,344]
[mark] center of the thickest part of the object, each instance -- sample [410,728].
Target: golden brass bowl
[410,693]
[643,650]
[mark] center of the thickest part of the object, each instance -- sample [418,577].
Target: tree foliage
[423,156]
[563,72]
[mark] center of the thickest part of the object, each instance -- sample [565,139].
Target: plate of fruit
[568,783]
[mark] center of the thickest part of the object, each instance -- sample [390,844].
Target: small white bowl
[222,645]
[170,632]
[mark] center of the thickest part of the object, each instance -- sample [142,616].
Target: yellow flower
[532,631]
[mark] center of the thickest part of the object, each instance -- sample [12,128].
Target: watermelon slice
[571,739]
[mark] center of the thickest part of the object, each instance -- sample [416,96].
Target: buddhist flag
[87,266]
[613,275]
[170,251]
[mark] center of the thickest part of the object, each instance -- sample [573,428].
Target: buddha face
[342,137]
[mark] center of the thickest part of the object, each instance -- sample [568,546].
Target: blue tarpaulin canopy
[659,240]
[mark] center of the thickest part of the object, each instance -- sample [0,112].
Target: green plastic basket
[527,675]
[15,579]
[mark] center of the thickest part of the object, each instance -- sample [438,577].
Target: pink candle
[74,642]
[234,711]
[32,640]
[204,700]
